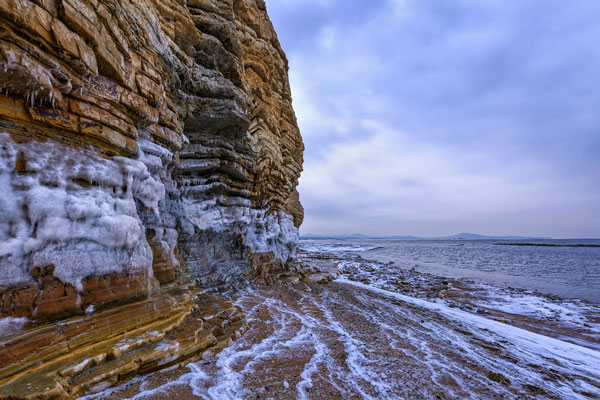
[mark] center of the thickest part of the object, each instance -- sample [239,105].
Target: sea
[557,268]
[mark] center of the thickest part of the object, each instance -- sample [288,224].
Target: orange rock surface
[144,145]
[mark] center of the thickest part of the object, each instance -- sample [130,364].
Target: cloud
[438,116]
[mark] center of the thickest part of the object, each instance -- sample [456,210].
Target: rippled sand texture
[348,341]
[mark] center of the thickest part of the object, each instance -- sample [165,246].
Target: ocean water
[565,271]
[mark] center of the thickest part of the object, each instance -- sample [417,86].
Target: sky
[434,117]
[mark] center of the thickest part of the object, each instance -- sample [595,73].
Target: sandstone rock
[315,270]
[318,277]
[143,146]
[108,348]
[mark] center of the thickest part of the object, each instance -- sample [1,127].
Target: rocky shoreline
[312,336]
[572,320]
[149,160]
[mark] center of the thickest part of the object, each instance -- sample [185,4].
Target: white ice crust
[156,158]
[73,209]
[9,326]
[262,231]
[76,210]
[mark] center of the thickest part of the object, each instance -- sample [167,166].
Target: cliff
[149,150]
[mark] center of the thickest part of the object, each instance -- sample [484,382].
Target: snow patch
[567,353]
[570,312]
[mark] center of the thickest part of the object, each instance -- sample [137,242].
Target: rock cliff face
[144,145]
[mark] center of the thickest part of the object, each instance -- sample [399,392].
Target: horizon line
[446,236]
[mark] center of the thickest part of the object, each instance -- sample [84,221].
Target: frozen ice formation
[144,145]
[148,151]
[73,210]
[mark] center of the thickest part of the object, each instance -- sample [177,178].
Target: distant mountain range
[460,236]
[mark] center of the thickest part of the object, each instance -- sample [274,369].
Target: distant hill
[354,236]
[460,236]
[474,236]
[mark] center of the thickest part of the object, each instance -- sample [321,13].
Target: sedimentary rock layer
[87,354]
[144,144]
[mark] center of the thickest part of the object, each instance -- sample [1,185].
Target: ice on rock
[9,326]
[262,231]
[72,209]
[144,187]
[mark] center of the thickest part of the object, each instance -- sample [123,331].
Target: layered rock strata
[144,145]
[87,354]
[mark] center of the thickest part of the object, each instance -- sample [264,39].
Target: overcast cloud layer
[434,117]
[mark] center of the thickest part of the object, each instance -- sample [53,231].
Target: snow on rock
[73,209]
